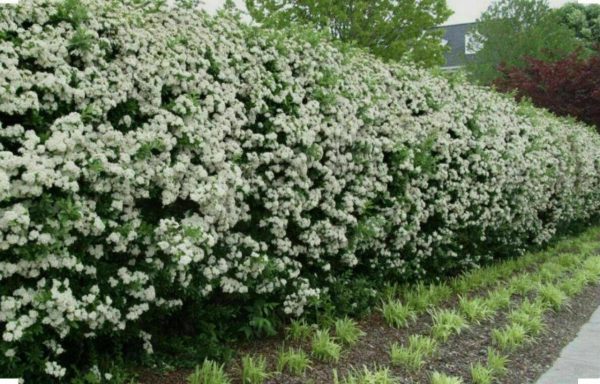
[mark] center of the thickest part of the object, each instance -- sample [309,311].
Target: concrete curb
[580,359]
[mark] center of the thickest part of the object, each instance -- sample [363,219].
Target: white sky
[213,5]
[465,11]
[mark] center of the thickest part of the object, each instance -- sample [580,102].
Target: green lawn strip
[526,319]
[526,322]
[449,321]
[564,250]
[542,270]
[417,299]
[572,271]
[420,297]
[532,274]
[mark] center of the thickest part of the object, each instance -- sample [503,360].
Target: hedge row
[153,157]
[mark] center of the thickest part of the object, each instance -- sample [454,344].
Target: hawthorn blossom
[153,157]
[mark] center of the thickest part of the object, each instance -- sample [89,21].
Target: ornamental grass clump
[496,362]
[481,374]
[413,355]
[254,370]
[397,314]
[158,163]
[324,347]
[347,331]
[475,309]
[510,337]
[295,361]
[423,296]
[442,378]
[406,357]
[552,296]
[209,373]
[299,330]
[366,376]
[447,322]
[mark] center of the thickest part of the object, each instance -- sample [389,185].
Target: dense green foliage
[510,31]
[584,20]
[390,29]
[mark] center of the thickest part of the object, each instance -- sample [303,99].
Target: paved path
[579,359]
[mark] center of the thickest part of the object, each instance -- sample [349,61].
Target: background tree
[511,30]
[567,87]
[584,20]
[391,29]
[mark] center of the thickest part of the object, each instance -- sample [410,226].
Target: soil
[455,356]
[530,362]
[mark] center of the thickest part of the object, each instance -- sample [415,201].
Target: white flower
[160,177]
[54,369]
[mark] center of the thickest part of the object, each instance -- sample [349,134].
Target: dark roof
[455,36]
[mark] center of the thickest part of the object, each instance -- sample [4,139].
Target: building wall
[455,37]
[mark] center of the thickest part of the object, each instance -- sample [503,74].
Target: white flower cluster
[148,156]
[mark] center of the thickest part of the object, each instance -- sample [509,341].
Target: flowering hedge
[153,156]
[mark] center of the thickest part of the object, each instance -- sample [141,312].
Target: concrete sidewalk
[580,359]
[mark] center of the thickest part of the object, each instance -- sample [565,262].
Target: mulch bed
[530,362]
[455,356]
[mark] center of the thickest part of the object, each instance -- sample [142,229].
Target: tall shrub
[392,30]
[567,87]
[156,162]
[511,30]
[584,20]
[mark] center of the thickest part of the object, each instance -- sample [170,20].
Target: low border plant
[366,376]
[397,314]
[254,370]
[510,337]
[496,362]
[347,331]
[295,361]
[442,378]
[447,322]
[324,347]
[209,373]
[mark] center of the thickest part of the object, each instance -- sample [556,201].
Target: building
[457,38]
[457,35]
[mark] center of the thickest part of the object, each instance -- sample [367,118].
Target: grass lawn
[502,323]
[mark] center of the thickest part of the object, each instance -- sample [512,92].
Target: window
[473,44]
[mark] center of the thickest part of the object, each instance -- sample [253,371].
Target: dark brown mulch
[533,360]
[529,361]
[455,356]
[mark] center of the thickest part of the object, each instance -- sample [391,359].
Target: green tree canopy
[584,20]
[509,31]
[391,29]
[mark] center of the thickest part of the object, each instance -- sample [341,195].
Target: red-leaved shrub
[568,87]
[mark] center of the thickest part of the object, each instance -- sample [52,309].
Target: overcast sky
[464,10]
